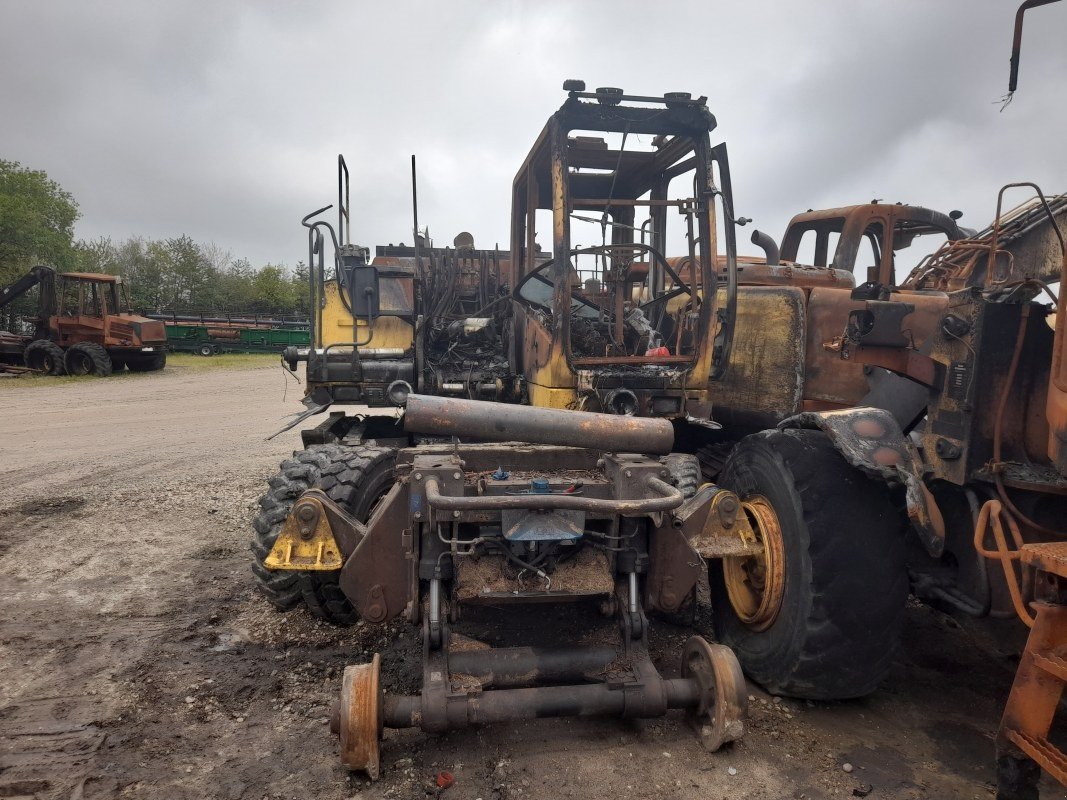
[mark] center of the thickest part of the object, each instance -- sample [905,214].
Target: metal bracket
[309,538]
[630,474]
[714,524]
[447,471]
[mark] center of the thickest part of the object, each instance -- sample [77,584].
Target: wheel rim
[722,705]
[359,719]
[80,364]
[756,584]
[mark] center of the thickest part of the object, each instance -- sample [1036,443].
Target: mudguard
[871,440]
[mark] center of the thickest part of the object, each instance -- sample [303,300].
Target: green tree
[301,290]
[36,221]
[97,255]
[273,290]
[235,286]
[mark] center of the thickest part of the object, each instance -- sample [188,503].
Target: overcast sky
[223,120]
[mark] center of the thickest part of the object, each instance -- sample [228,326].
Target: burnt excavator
[558,465]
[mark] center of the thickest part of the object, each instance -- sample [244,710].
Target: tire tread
[319,591]
[849,635]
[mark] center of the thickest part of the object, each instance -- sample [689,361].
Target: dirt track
[137,660]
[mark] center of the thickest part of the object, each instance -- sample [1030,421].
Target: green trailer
[210,338]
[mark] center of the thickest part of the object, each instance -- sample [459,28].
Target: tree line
[180,276]
[171,276]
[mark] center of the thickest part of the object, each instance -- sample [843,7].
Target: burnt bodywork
[789,313]
[566,525]
[432,319]
[575,505]
[81,307]
[412,318]
[572,507]
[957,355]
[615,325]
[91,307]
[979,392]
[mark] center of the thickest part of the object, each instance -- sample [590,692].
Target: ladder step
[1046,556]
[1051,663]
[1049,757]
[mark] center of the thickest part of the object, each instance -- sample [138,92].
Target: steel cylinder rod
[502,422]
[509,666]
[509,705]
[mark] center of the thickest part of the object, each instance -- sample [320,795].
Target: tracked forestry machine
[536,445]
[82,326]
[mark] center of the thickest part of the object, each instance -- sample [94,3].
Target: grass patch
[182,362]
[223,360]
[29,381]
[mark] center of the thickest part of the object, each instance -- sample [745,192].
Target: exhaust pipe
[501,422]
[769,246]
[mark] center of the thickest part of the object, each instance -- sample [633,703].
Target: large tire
[356,477]
[87,358]
[147,363]
[44,356]
[684,470]
[845,586]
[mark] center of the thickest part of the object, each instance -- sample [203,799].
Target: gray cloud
[223,121]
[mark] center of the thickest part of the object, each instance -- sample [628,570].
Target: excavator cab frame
[616,325]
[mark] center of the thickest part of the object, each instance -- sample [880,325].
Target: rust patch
[869,428]
[887,456]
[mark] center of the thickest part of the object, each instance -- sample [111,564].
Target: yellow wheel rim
[756,584]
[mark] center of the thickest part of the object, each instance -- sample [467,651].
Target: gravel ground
[137,659]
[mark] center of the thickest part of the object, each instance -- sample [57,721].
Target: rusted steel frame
[955,260]
[559,179]
[607,250]
[582,700]
[679,121]
[593,361]
[998,430]
[512,666]
[1033,702]
[723,341]
[375,577]
[604,201]
[1050,558]
[501,422]
[665,166]
[637,98]
[1017,40]
[669,498]
[1000,201]
[904,361]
